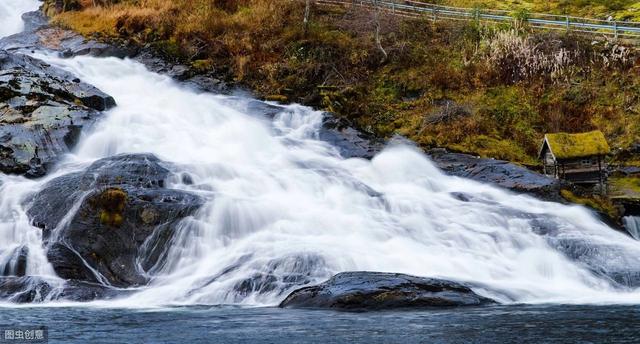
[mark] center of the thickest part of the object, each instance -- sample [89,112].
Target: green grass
[625,187]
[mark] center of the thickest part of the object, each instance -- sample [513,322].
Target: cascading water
[284,206]
[21,249]
[11,12]
[632,224]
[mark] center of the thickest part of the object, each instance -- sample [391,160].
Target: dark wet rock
[246,104]
[35,290]
[281,274]
[203,82]
[77,45]
[500,173]
[275,276]
[81,291]
[34,20]
[612,262]
[16,265]
[258,283]
[609,261]
[42,112]
[158,64]
[24,289]
[363,291]
[350,142]
[122,219]
[208,83]
[39,35]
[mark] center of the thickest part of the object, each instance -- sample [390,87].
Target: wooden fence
[596,27]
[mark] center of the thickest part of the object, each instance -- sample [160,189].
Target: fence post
[568,24]
[615,28]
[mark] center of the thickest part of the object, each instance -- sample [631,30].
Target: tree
[307,14]
[376,22]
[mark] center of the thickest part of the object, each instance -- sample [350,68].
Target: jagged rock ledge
[370,291]
[42,112]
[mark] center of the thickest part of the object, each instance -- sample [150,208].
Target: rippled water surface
[501,324]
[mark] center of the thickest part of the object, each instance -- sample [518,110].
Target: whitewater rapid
[281,202]
[11,15]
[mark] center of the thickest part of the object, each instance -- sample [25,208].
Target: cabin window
[549,158]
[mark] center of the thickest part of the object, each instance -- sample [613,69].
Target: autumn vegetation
[598,9]
[491,90]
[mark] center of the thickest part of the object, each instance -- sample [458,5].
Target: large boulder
[42,112]
[112,222]
[363,291]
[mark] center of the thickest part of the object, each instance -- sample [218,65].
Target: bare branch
[376,22]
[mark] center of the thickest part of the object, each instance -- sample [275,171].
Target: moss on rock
[111,205]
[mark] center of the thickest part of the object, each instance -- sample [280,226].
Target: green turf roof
[570,146]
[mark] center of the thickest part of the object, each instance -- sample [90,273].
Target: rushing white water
[11,12]
[632,224]
[283,203]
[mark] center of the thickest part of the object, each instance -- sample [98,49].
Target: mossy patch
[598,203]
[202,66]
[276,98]
[111,204]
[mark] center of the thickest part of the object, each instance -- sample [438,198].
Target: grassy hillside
[493,91]
[600,9]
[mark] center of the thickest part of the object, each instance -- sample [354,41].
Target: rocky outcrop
[365,291]
[42,112]
[111,222]
[350,142]
[500,173]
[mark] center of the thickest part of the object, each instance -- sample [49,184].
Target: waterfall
[632,225]
[11,12]
[283,203]
[285,206]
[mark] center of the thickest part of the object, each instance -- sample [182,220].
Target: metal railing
[535,20]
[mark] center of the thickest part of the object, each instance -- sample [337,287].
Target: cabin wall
[590,170]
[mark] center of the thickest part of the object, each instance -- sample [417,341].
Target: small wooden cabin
[578,158]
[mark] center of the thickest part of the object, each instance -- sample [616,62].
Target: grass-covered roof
[569,146]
